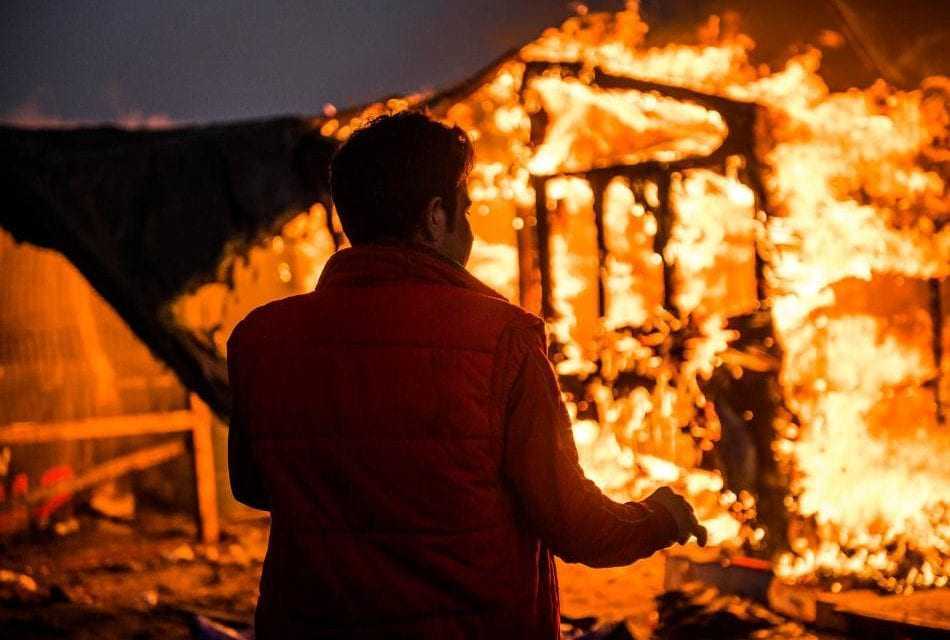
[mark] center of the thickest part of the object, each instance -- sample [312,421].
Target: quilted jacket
[404,428]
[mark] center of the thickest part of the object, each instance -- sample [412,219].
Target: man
[405,429]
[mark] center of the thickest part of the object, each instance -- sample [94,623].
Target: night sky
[212,60]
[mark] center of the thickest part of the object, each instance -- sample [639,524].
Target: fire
[857,259]
[672,245]
[286,264]
[602,128]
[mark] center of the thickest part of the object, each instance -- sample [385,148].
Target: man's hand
[682,513]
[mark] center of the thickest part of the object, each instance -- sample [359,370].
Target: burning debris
[699,610]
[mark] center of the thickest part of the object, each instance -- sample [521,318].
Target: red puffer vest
[375,410]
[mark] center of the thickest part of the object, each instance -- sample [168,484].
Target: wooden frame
[196,421]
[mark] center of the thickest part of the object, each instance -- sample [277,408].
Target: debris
[208,629]
[589,628]
[701,611]
[211,553]
[181,553]
[66,527]
[120,566]
[20,588]
[111,501]
[111,527]
[150,597]
[238,555]
[20,580]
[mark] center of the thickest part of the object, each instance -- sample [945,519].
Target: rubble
[181,553]
[149,582]
[700,611]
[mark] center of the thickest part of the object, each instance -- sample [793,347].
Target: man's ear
[436,219]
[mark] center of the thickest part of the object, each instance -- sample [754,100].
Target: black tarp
[147,215]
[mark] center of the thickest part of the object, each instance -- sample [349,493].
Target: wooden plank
[105,427]
[136,461]
[862,613]
[926,610]
[203,451]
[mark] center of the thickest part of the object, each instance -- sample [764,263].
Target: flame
[496,265]
[847,237]
[713,244]
[633,270]
[596,128]
[286,264]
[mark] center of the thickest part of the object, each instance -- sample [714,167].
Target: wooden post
[203,451]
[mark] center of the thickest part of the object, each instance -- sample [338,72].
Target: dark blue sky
[211,60]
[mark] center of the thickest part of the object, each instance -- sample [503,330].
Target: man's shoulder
[512,315]
[520,324]
[265,320]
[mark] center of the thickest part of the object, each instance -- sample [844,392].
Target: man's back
[405,429]
[375,407]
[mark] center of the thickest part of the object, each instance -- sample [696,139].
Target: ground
[152,580]
[108,580]
[112,580]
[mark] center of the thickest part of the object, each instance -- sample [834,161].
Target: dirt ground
[152,580]
[112,580]
[108,580]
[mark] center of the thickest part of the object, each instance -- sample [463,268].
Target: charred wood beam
[528,272]
[543,231]
[936,318]
[748,400]
[751,177]
[599,186]
[664,230]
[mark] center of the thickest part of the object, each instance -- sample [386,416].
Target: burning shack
[745,274]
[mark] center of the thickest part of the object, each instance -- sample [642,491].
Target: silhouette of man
[406,431]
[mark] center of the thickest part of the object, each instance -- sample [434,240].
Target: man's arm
[246,482]
[566,510]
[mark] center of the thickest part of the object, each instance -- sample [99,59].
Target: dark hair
[386,173]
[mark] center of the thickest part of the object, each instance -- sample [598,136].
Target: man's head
[402,179]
